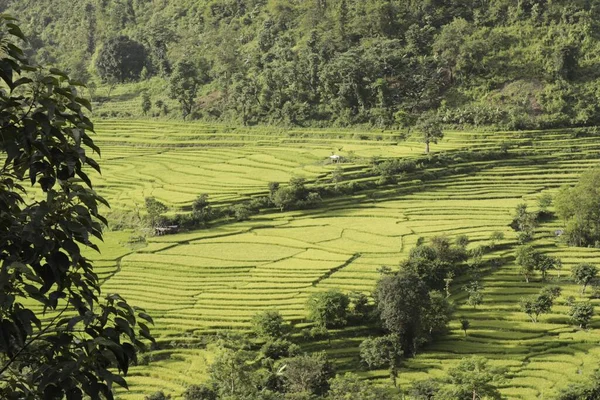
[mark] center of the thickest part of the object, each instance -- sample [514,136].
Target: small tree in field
[431,130]
[581,313]
[536,305]
[146,103]
[495,237]
[155,209]
[584,274]
[464,324]
[526,258]
[475,296]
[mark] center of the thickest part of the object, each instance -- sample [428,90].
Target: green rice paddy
[203,281]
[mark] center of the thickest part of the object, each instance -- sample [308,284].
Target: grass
[196,283]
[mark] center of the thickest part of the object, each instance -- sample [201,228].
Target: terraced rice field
[203,281]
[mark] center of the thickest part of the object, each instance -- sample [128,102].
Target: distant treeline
[501,63]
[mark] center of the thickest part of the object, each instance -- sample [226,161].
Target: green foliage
[328,309]
[528,259]
[578,207]
[232,372]
[268,324]
[201,209]
[581,313]
[533,306]
[121,59]
[154,209]
[403,301]
[381,352]
[183,86]
[430,129]
[465,324]
[495,237]
[146,103]
[349,62]
[199,392]
[475,297]
[424,390]
[293,196]
[160,395]
[589,390]
[350,386]
[584,274]
[433,262]
[50,292]
[472,378]
[525,223]
[544,201]
[279,348]
[307,373]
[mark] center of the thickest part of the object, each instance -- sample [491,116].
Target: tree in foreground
[472,378]
[584,274]
[81,343]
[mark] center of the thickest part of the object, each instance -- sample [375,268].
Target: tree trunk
[427,147]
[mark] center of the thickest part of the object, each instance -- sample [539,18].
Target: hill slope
[509,64]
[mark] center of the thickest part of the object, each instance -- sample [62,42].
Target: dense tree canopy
[381,62]
[120,59]
[579,207]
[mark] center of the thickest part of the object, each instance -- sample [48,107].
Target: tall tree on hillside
[80,344]
[183,86]
[121,59]
[401,300]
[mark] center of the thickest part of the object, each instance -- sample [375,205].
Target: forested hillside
[503,63]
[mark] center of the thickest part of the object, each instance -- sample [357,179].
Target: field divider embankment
[332,271]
